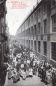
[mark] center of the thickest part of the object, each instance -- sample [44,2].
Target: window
[41,37]
[44,8]
[53,3]
[35,47]
[39,11]
[35,29]
[31,44]
[54,23]
[45,48]
[39,28]
[53,51]
[29,31]
[48,37]
[45,26]
[38,46]
[32,30]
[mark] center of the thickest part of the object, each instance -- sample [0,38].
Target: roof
[32,12]
[39,4]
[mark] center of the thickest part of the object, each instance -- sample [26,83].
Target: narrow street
[27,69]
[27,42]
[34,81]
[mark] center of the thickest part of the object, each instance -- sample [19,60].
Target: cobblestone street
[34,81]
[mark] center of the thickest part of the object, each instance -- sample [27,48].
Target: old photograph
[27,42]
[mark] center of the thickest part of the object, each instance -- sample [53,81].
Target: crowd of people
[47,73]
[27,64]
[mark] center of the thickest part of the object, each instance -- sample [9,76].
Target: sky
[17,11]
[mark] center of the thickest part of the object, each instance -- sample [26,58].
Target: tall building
[3,35]
[38,31]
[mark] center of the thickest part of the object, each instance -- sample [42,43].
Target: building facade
[38,31]
[3,35]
